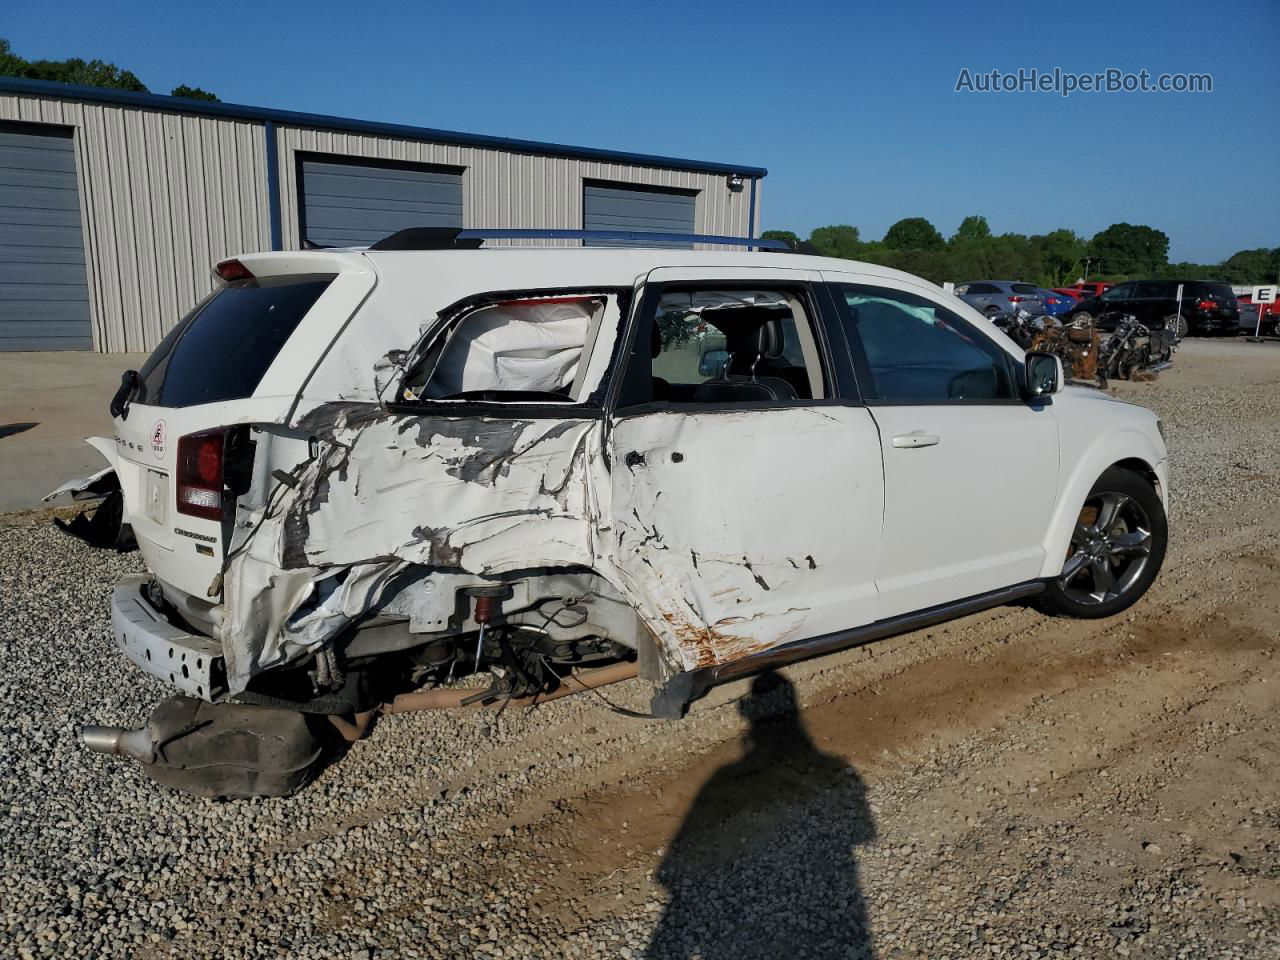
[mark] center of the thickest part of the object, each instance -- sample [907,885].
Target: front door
[746,491]
[970,469]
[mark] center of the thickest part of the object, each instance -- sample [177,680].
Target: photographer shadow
[764,864]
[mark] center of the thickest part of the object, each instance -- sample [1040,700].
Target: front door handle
[914,439]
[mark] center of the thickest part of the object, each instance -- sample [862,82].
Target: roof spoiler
[453,238]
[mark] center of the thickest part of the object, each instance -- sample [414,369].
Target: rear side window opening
[222,349]
[543,349]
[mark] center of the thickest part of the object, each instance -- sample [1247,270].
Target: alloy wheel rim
[1110,549]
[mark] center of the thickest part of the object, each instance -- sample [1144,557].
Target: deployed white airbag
[530,345]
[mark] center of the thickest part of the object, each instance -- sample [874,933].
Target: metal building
[114,206]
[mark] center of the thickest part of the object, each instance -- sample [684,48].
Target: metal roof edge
[235,111]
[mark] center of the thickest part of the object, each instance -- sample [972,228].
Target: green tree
[1130,249]
[1254,267]
[1059,253]
[192,93]
[840,240]
[971,229]
[85,73]
[786,236]
[913,233]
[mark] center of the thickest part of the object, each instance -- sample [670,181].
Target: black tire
[1178,325]
[993,312]
[1111,551]
[1083,316]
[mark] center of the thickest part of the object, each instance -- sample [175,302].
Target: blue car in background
[1055,304]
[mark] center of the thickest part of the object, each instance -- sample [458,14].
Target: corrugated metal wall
[511,189]
[164,196]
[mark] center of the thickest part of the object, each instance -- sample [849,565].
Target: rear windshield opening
[222,349]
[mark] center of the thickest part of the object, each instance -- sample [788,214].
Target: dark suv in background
[1207,307]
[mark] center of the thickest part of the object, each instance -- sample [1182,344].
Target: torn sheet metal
[386,491]
[683,529]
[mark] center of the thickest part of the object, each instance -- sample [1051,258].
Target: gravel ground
[1004,786]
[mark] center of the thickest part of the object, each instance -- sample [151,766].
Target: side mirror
[1044,374]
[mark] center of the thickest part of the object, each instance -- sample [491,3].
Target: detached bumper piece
[230,750]
[189,661]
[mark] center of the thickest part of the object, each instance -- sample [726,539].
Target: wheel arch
[1129,450]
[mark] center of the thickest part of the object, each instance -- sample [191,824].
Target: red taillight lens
[1052,301]
[1206,305]
[199,474]
[230,270]
[1015,299]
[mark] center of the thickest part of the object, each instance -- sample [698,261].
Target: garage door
[349,204]
[614,206]
[44,293]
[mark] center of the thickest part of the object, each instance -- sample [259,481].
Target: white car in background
[356,475]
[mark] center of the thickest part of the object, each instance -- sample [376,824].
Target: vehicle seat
[754,343]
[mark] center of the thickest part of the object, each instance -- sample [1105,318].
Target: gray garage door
[612,206]
[348,204]
[44,294]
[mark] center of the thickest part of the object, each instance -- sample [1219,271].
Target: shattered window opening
[553,348]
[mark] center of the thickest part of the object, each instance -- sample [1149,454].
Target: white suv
[356,475]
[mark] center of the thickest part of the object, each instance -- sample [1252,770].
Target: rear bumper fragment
[188,661]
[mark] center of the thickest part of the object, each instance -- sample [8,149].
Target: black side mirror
[1044,374]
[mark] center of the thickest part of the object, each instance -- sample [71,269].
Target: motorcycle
[1135,352]
[1018,325]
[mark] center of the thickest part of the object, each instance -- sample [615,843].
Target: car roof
[562,266]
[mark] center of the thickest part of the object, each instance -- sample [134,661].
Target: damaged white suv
[359,476]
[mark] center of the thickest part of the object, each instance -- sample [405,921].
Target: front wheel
[1117,547]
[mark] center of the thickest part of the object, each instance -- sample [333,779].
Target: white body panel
[966,514]
[741,529]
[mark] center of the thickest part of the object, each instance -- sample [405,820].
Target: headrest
[655,340]
[763,339]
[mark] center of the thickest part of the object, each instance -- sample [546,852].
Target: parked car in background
[1249,310]
[1001,296]
[1206,307]
[1075,295]
[1087,290]
[1055,303]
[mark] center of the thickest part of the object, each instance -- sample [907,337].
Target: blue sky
[852,107]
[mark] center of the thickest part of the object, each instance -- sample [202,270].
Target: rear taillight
[199,474]
[230,270]
[1206,305]
[1052,301]
[1015,299]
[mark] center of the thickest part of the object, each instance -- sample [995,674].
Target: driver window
[727,346]
[917,351]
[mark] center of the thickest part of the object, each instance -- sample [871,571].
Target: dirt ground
[1007,785]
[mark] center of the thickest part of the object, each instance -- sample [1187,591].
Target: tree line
[85,73]
[1122,251]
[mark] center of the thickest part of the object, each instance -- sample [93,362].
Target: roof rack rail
[452,238]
